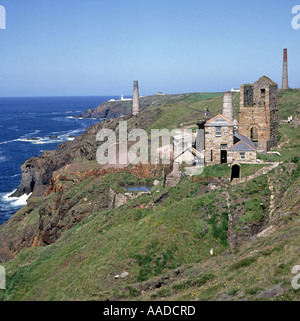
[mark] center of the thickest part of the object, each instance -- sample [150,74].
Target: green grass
[150,240]
[244,263]
[88,256]
[288,102]
[176,113]
[224,170]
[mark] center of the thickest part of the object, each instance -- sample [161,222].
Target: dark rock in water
[70,136]
[53,137]
[32,138]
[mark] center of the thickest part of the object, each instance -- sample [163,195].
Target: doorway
[223,156]
[223,153]
[235,172]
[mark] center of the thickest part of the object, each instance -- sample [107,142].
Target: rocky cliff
[114,109]
[37,171]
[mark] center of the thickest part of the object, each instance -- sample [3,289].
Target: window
[223,146]
[262,93]
[242,156]
[211,155]
[218,131]
[254,134]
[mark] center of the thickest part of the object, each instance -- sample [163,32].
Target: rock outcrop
[114,109]
[37,171]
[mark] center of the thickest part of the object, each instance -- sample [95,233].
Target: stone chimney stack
[228,105]
[135,103]
[285,83]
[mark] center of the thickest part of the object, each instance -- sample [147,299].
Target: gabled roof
[266,80]
[244,139]
[219,121]
[241,146]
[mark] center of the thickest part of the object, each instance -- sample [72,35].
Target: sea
[26,125]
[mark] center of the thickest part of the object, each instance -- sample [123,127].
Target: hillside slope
[71,243]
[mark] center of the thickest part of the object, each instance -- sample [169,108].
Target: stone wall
[260,172]
[246,95]
[235,156]
[258,108]
[116,200]
[213,143]
[254,116]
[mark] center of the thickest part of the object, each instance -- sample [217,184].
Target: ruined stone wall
[246,95]
[213,143]
[254,116]
[259,109]
[273,96]
[274,131]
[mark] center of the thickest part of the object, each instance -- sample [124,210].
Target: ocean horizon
[31,125]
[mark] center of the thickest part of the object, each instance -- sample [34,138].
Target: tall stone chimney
[228,105]
[135,103]
[285,83]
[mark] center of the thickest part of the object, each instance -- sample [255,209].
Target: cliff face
[74,196]
[38,171]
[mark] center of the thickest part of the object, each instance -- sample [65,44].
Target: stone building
[243,150]
[225,145]
[218,138]
[258,117]
[222,140]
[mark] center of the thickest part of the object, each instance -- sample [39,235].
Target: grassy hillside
[164,238]
[178,113]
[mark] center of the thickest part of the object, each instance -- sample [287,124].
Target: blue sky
[98,47]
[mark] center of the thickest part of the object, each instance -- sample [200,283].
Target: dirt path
[286,142]
[271,228]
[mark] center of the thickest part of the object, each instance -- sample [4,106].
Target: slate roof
[219,121]
[244,138]
[243,145]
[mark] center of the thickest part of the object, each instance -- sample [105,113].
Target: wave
[72,111]
[2,159]
[41,140]
[81,118]
[74,132]
[15,201]
[16,175]
[2,143]
[31,134]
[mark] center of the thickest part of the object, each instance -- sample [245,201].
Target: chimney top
[285,55]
